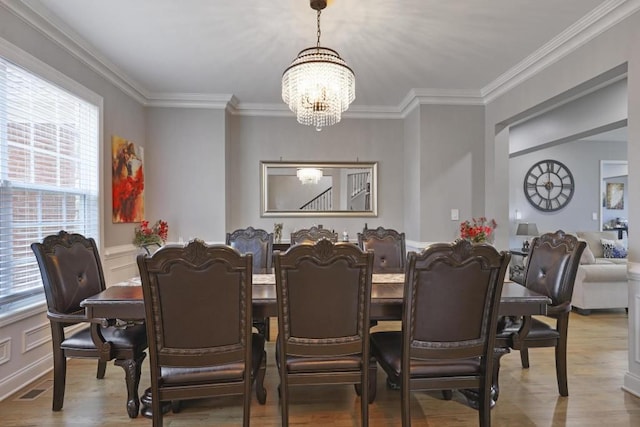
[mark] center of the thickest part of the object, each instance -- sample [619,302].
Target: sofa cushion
[593,239]
[601,272]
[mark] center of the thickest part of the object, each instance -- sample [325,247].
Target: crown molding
[417,97]
[599,20]
[590,26]
[40,19]
[191,100]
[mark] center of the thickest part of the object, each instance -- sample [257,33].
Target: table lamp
[526,229]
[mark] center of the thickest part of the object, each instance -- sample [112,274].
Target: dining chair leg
[102,369]
[524,355]
[484,412]
[561,369]
[405,398]
[284,403]
[561,357]
[364,399]
[246,410]
[261,392]
[447,394]
[59,378]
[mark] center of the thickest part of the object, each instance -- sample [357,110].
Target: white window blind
[49,179]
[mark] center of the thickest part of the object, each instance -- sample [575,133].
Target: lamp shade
[527,229]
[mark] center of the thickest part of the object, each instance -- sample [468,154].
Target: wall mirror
[312,189]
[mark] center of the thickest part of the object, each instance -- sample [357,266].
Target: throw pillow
[587,256]
[613,249]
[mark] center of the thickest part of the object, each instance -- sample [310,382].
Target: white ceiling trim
[192,100]
[41,20]
[590,26]
[598,21]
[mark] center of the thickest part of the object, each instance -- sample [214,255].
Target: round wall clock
[548,185]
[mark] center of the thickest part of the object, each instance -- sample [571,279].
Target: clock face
[548,185]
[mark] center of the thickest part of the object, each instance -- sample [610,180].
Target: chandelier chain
[318,43]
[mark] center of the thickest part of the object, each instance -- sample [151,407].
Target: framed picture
[615,195]
[127,181]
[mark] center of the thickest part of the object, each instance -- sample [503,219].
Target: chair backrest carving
[256,241]
[312,235]
[389,249]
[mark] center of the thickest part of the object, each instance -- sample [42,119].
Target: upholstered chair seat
[186,376]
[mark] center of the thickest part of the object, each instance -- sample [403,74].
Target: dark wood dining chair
[452,292]
[259,243]
[324,295]
[312,235]
[198,312]
[389,249]
[551,270]
[71,271]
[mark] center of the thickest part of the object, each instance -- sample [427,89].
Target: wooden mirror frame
[267,166]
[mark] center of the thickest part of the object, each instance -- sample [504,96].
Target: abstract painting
[615,195]
[127,180]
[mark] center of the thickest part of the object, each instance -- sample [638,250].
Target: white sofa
[600,282]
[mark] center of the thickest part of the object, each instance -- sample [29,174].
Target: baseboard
[27,374]
[631,384]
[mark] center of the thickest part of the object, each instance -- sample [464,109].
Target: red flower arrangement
[478,230]
[145,235]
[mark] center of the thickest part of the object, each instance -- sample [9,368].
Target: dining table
[123,302]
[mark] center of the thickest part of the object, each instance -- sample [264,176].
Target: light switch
[594,216]
[455,215]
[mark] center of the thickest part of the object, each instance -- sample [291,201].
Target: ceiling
[462,49]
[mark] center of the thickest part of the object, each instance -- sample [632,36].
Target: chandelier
[318,85]
[309,175]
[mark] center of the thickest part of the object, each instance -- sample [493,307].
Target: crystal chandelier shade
[318,86]
[309,175]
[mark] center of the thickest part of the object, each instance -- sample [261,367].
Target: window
[49,174]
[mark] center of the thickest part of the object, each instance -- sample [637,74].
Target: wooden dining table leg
[472,395]
[132,371]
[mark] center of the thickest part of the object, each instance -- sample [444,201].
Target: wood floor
[529,397]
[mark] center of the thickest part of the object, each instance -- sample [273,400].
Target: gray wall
[558,83]
[451,169]
[186,172]
[256,139]
[589,113]
[123,116]
[412,175]
[582,158]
